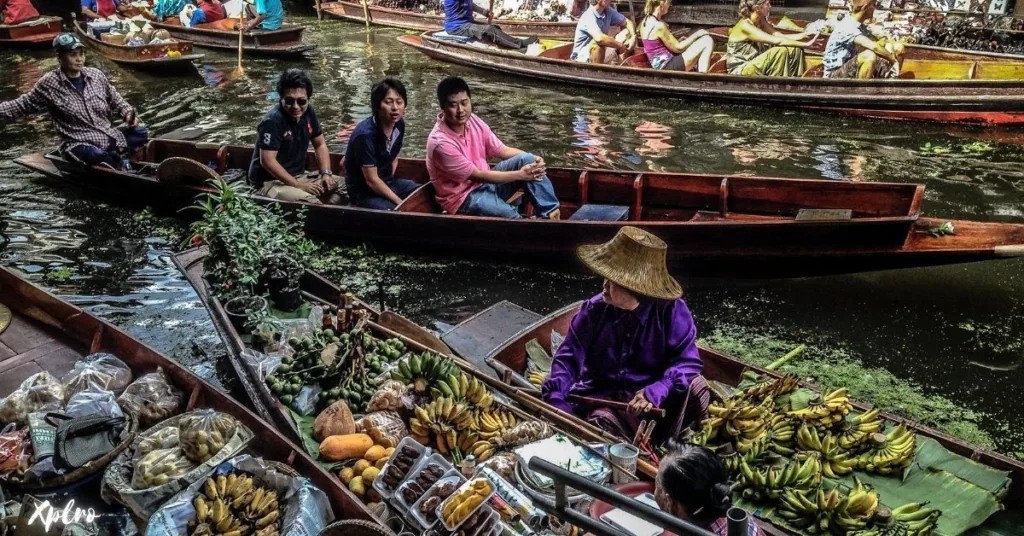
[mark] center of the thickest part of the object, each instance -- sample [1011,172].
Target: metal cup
[624,455]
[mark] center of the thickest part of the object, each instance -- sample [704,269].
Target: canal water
[953,332]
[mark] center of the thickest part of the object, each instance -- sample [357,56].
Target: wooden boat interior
[137,52]
[650,197]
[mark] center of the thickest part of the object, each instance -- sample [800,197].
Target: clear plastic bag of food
[159,467]
[164,438]
[388,397]
[204,432]
[93,402]
[15,450]
[102,370]
[152,398]
[39,392]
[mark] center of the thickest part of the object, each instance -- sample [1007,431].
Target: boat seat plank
[595,212]
[22,336]
[476,337]
[45,353]
[5,352]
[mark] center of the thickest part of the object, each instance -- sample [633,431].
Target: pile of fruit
[783,447]
[233,505]
[465,501]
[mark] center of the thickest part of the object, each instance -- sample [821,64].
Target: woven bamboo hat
[634,259]
[178,170]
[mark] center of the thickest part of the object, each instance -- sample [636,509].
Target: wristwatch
[327,172]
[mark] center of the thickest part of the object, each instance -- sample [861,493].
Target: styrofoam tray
[378,483]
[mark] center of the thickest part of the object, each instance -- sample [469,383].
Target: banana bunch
[890,453]
[857,430]
[824,411]
[755,450]
[772,482]
[856,509]
[423,370]
[481,450]
[780,432]
[834,460]
[230,505]
[536,377]
[920,521]
[459,388]
[706,434]
[494,422]
[444,418]
[771,388]
[739,418]
[808,511]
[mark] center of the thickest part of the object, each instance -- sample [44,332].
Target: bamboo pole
[366,14]
[784,359]
[241,38]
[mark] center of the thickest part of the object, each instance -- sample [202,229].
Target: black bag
[84,439]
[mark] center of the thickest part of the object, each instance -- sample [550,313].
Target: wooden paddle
[239,71]
[366,13]
[400,324]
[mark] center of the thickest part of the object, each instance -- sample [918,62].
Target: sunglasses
[292,101]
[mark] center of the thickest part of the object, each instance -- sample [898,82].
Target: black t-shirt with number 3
[290,138]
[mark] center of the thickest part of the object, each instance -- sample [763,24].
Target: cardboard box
[113,39]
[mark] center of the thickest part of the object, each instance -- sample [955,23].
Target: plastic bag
[164,438]
[160,467]
[388,397]
[152,398]
[102,370]
[39,392]
[305,402]
[386,428]
[204,432]
[15,450]
[92,402]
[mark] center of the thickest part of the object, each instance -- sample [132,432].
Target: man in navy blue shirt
[278,167]
[371,158]
[458,20]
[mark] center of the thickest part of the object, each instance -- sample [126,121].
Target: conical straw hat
[633,259]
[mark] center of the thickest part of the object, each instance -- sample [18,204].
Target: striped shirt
[79,117]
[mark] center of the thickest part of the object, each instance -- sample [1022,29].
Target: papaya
[345,447]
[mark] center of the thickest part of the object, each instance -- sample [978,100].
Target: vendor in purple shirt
[635,342]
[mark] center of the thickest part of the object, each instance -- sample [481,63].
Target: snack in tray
[446,489]
[464,501]
[428,508]
[204,433]
[401,462]
[475,521]
[235,505]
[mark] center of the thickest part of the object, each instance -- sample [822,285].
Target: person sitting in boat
[877,60]
[371,157]
[592,42]
[662,48]
[633,343]
[14,12]
[80,101]
[164,9]
[459,21]
[278,166]
[207,11]
[263,14]
[693,485]
[757,48]
[457,151]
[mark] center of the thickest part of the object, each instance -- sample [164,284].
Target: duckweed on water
[834,368]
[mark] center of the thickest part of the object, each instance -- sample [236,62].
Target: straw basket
[355,528]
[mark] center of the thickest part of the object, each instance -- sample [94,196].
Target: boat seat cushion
[590,212]
[445,36]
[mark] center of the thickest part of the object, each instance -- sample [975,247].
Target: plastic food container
[422,453]
[487,525]
[411,477]
[451,476]
[466,486]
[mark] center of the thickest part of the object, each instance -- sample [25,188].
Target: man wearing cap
[635,342]
[80,101]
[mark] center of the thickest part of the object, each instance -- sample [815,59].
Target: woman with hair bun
[757,48]
[662,48]
[692,484]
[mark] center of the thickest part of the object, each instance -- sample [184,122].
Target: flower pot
[286,299]
[238,310]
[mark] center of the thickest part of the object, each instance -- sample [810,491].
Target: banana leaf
[305,426]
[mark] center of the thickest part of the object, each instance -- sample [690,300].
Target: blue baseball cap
[66,42]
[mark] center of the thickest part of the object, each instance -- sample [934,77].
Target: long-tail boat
[154,58]
[412,20]
[47,333]
[726,226]
[984,91]
[39,31]
[283,43]
[509,361]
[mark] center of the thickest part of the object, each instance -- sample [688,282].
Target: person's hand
[133,119]
[532,172]
[328,182]
[639,404]
[311,188]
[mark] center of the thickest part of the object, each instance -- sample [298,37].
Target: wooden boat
[714,224]
[283,43]
[149,57]
[411,20]
[981,91]
[40,31]
[509,361]
[50,334]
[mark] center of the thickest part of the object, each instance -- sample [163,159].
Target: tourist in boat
[371,158]
[877,60]
[459,21]
[80,101]
[163,9]
[457,151]
[102,9]
[263,14]
[13,12]
[693,485]
[207,11]
[592,42]
[757,48]
[635,342]
[666,52]
[278,167]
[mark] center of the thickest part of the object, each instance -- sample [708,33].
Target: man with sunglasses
[80,101]
[278,167]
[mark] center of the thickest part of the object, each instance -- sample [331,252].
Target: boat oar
[239,71]
[490,12]
[319,11]
[782,360]
[366,13]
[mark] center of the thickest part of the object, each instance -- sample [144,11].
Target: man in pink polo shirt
[457,153]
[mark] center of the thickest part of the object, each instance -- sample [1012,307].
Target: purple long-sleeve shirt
[611,352]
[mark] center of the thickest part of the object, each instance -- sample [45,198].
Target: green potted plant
[240,308]
[281,275]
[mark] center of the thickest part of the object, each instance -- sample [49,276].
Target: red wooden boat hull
[283,43]
[38,32]
[149,57]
